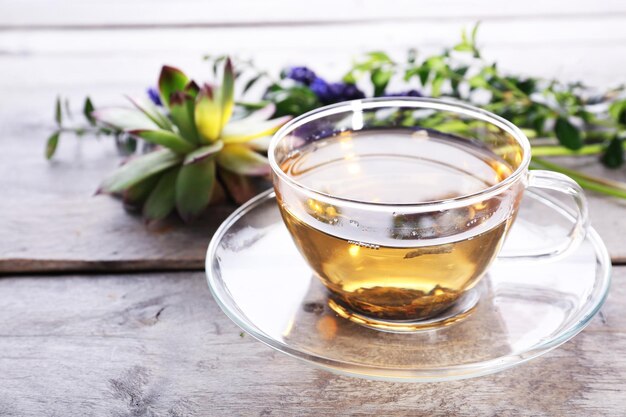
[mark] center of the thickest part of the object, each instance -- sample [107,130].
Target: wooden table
[100,315]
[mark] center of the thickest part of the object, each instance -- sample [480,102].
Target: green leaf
[58,112]
[380,78]
[208,115]
[613,157]
[152,112]
[135,196]
[538,122]
[436,85]
[203,152]
[251,82]
[242,160]
[88,110]
[51,144]
[126,143]
[260,144]
[461,71]
[475,32]
[162,198]
[436,63]
[527,86]
[464,47]
[478,81]
[423,73]
[294,100]
[122,118]
[617,110]
[194,186]
[216,62]
[192,89]
[182,109]
[227,92]
[380,56]
[252,127]
[262,113]
[350,78]
[164,138]
[171,80]
[138,169]
[568,134]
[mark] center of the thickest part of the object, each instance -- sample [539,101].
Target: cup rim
[417,103]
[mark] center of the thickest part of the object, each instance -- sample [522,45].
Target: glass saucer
[526,309]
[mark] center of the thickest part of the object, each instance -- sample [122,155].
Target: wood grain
[49,218]
[158,345]
[18,14]
[51,221]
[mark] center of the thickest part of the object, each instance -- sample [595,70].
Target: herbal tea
[420,263]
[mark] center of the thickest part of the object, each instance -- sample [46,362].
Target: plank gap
[305,23]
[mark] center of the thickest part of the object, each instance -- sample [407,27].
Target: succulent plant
[202,151]
[204,156]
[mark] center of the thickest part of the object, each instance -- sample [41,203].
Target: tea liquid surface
[399,281]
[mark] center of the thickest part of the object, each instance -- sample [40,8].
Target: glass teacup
[401,205]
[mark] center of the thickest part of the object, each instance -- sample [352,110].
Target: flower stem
[590,182]
[562,151]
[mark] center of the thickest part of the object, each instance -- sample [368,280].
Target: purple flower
[153,94]
[409,93]
[321,89]
[350,92]
[301,74]
[329,93]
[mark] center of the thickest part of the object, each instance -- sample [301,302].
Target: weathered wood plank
[148,345]
[51,222]
[554,48]
[59,13]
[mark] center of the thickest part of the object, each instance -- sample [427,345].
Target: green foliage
[617,110]
[171,80]
[567,134]
[377,66]
[292,100]
[613,156]
[62,116]
[58,112]
[194,186]
[88,108]
[191,139]
[199,147]
[161,199]
[135,196]
[51,144]
[138,169]
[565,112]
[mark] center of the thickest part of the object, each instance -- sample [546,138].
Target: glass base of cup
[459,311]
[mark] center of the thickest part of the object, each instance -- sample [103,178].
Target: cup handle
[553,181]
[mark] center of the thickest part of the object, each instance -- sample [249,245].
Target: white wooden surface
[156,344]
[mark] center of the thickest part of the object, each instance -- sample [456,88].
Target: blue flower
[329,93]
[409,93]
[301,74]
[351,92]
[321,89]
[153,94]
